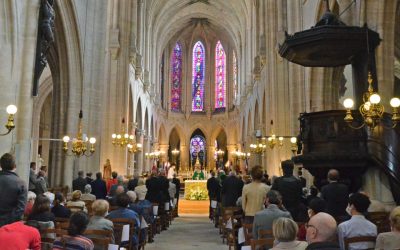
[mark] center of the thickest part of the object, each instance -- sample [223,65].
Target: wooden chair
[62,225]
[112,208]
[118,226]
[157,220]
[381,220]
[228,213]
[265,234]
[261,244]
[75,209]
[88,205]
[46,233]
[248,234]
[100,238]
[348,241]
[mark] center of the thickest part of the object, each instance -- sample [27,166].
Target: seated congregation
[258,213]
[97,213]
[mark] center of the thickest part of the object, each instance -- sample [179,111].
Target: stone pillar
[18,42]
[164,149]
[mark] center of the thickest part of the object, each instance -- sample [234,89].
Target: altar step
[193,207]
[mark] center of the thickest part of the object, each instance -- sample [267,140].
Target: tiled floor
[188,233]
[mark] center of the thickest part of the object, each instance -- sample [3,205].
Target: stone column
[18,42]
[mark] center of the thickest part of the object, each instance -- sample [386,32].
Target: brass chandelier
[127,140]
[260,146]
[155,155]
[80,143]
[371,110]
[11,110]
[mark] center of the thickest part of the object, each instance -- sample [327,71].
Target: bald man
[321,231]
[336,195]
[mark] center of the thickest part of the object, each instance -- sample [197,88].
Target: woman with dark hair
[41,210]
[59,210]
[74,240]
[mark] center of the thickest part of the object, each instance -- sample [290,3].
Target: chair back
[100,238]
[112,208]
[62,225]
[381,220]
[88,205]
[265,234]
[248,232]
[261,244]
[75,209]
[48,235]
[348,241]
[118,227]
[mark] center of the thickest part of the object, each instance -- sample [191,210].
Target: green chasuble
[198,176]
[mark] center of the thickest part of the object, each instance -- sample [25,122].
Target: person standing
[88,178]
[99,188]
[177,183]
[32,177]
[13,193]
[41,185]
[336,195]
[231,190]
[253,194]
[79,183]
[290,188]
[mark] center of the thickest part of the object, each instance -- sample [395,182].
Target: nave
[189,232]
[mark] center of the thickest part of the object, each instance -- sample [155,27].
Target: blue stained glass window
[198,77]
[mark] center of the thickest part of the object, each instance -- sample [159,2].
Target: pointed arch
[198,75]
[162,135]
[176,77]
[139,117]
[220,76]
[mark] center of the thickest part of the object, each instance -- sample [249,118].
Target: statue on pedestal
[107,170]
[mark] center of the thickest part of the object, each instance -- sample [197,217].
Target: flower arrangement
[198,194]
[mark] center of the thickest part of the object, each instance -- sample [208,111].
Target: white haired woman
[285,232]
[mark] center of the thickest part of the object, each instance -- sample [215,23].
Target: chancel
[207,124]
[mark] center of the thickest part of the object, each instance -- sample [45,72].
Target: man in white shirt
[357,225]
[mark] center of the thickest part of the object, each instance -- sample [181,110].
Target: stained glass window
[162,80]
[235,88]
[197,146]
[220,76]
[198,77]
[176,74]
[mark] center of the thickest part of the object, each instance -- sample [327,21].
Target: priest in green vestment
[198,175]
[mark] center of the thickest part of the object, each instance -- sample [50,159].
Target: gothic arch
[162,135]
[45,90]
[139,116]
[65,62]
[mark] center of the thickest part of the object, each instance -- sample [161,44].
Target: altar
[196,190]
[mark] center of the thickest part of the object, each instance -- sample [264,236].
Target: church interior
[134,86]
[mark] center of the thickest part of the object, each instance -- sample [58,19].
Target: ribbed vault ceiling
[168,17]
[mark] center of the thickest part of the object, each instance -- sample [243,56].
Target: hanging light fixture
[371,110]
[271,141]
[80,143]
[124,139]
[11,110]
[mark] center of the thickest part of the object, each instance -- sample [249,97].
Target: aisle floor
[189,232]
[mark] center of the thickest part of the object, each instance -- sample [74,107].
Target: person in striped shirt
[74,240]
